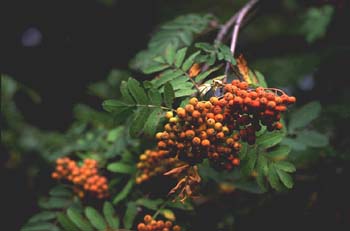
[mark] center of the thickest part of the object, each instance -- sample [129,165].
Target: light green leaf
[262,171]
[269,140]
[285,166]
[304,116]
[279,153]
[115,106]
[312,138]
[157,68]
[66,223]
[286,179]
[261,79]
[184,92]
[205,74]
[155,96]
[152,121]
[137,91]
[124,90]
[40,226]
[119,167]
[130,214]
[114,134]
[78,220]
[295,144]
[169,95]
[170,53]
[165,77]
[180,56]
[124,192]
[60,191]
[247,165]
[274,179]
[138,122]
[148,203]
[189,61]
[43,216]
[109,213]
[95,218]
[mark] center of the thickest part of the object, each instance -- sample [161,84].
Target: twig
[240,16]
[223,31]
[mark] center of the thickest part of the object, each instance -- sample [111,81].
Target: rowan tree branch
[238,22]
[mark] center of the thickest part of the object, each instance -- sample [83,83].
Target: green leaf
[269,140]
[170,53]
[130,214]
[124,90]
[189,61]
[304,116]
[120,168]
[261,79]
[166,76]
[205,74]
[115,106]
[184,92]
[205,47]
[43,216]
[109,213]
[124,192]
[180,56]
[152,122]
[54,203]
[274,179]
[279,153]
[66,223]
[148,203]
[295,144]
[226,54]
[40,226]
[169,95]
[248,164]
[183,206]
[247,186]
[114,134]
[262,171]
[155,96]
[157,68]
[312,139]
[60,191]
[285,166]
[78,220]
[286,179]
[95,218]
[316,22]
[137,91]
[138,122]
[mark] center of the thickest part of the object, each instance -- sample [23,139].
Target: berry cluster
[152,225]
[152,163]
[213,129]
[84,178]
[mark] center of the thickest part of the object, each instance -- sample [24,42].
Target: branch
[239,18]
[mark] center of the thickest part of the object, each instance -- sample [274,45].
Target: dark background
[83,40]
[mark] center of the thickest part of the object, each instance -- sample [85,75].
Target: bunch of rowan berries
[84,178]
[153,225]
[153,163]
[214,129]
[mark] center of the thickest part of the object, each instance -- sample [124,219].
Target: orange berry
[169,114]
[147,219]
[214,100]
[196,114]
[168,224]
[235,161]
[176,228]
[196,140]
[218,126]
[205,143]
[181,112]
[193,101]
[189,108]
[190,134]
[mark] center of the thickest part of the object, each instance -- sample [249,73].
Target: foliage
[135,111]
